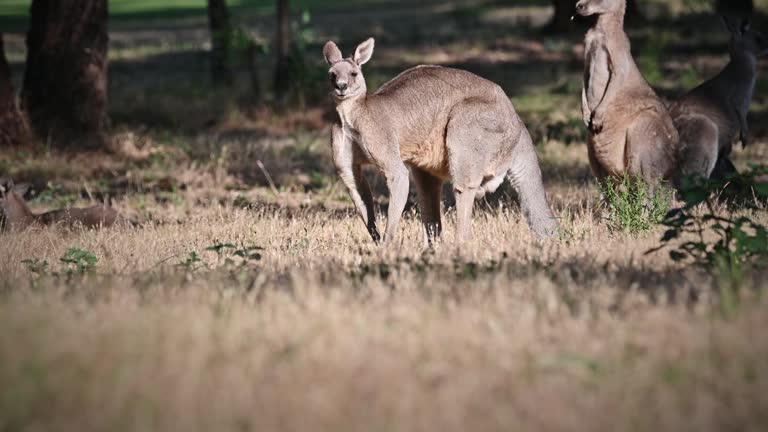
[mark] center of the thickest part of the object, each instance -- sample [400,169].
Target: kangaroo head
[346,74]
[745,39]
[15,210]
[600,7]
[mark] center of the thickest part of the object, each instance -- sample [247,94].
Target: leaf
[754,245]
[677,256]
[219,247]
[670,235]
[761,189]
[694,197]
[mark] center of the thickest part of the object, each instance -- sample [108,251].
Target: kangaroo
[440,124]
[18,215]
[631,131]
[711,116]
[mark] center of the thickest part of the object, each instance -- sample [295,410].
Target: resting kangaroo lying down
[712,115]
[18,216]
[441,124]
[631,131]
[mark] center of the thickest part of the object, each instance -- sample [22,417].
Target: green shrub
[635,209]
[706,235]
[78,261]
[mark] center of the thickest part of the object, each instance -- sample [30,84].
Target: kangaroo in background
[18,216]
[441,124]
[711,116]
[631,131]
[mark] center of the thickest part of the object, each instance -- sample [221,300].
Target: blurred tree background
[257,48]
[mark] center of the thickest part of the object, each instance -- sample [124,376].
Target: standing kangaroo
[18,216]
[631,131]
[442,124]
[711,116]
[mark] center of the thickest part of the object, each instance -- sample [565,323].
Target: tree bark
[735,7]
[254,70]
[13,125]
[283,37]
[65,81]
[221,42]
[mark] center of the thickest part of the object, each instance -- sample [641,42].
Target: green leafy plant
[36,266]
[706,235]
[228,255]
[237,256]
[191,263]
[635,209]
[78,261]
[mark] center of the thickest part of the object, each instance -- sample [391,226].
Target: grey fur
[713,114]
[631,131]
[438,124]
[16,215]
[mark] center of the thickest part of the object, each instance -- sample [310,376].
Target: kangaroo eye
[354,74]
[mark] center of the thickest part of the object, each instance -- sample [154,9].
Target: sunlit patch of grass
[541,102]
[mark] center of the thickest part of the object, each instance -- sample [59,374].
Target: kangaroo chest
[597,72]
[353,135]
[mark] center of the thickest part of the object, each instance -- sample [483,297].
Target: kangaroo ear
[728,23]
[332,53]
[745,25]
[735,25]
[364,52]
[21,189]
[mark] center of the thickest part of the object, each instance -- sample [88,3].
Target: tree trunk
[13,126]
[65,81]
[735,7]
[254,70]
[565,9]
[283,37]
[221,42]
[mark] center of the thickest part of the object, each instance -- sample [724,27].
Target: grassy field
[236,304]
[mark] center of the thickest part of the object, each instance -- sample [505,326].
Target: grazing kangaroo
[711,116]
[631,131]
[441,124]
[18,216]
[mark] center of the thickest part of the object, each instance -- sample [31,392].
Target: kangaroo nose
[341,85]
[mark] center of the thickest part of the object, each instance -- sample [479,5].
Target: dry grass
[326,331]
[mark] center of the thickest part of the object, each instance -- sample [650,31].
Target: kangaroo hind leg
[429,189]
[699,143]
[472,136]
[650,153]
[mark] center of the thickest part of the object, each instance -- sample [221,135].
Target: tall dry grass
[328,332]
